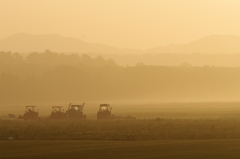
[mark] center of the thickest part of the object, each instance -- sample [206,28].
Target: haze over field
[53,77]
[119,50]
[119,79]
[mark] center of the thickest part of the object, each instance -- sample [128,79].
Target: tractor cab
[30,109]
[56,109]
[104,111]
[75,111]
[105,107]
[57,112]
[78,108]
[31,113]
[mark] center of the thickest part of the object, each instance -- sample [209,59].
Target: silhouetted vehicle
[58,113]
[31,113]
[12,116]
[76,111]
[104,111]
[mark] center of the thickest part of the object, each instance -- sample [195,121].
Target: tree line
[56,77]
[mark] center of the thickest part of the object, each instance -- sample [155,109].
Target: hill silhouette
[23,42]
[223,44]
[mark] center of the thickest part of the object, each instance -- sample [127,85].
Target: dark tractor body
[31,113]
[75,111]
[12,116]
[104,111]
[58,113]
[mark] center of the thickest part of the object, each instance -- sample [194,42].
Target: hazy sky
[122,23]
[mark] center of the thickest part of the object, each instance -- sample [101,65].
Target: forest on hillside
[55,77]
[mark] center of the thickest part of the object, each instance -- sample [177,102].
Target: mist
[57,77]
[119,79]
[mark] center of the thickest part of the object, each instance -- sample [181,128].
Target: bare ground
[97,149]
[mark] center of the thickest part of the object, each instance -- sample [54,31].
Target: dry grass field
[101,149]
[175,130]
[141,129]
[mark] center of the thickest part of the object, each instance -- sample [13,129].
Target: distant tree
[140,64]
[18,57]
[185,64]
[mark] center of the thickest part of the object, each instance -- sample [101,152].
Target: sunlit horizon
[136,24]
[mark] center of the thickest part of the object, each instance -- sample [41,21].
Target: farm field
[141,129]
[170,149]
[172,121]
[143,110]
[170,130]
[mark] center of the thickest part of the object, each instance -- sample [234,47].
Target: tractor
[58,113]
[104,111]
[31,113]
[75,111]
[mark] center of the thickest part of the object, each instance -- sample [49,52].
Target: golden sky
[122,23]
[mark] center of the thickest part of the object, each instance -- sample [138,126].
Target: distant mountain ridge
[225,44]
[23,42]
